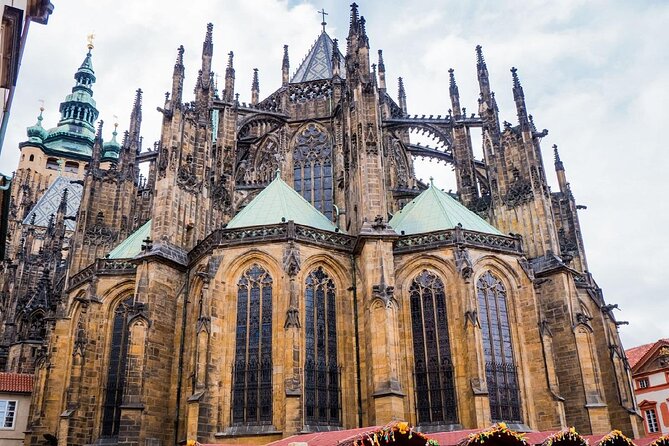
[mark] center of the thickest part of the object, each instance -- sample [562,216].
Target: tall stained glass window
[252,375]
[111,411]
[501,372]
[321,372]
[435,392]
[312,168]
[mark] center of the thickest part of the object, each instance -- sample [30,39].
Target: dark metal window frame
[313,169]
[501,373]
[322,378]
[433,369]
[118,355]
[252,371]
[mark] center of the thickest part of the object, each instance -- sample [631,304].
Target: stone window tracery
[435,390]
[501,374]
[321,371]
[312,168]
[111,414]
[252,374]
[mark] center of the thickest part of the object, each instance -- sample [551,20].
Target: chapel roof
[132,245]
[48,203]
[435,210]
[16,382]
[318,63]
[277,203]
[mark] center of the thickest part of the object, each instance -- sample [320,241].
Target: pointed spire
[455,94]
[402,96]
[374,74]
[558,161]
[97,149]
[136,121]
[382,71]
[178,77]
[285,67]
[255,87]
[208,46]
[355,18]
[519,99]
[484,81]
[336,59]
[229,92]
[62,207]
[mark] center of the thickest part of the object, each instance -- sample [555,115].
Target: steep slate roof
[435,210]
[280,201]
[636,354]
[16,382]
[49,202]
[318,63]
[132,245]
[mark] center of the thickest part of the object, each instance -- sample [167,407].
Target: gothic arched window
[312,168]
[500,367]
[111,415]
[435,392]
[252,375]
[321,371]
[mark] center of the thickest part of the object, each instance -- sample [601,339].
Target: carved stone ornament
[80,341]
[527,267]
[379,224]
[463,262]
[99,233]
[292,318]
[472,317]
[371,143]
[478,386]
[384,293]
[186,177]
[519,192]
[291,259]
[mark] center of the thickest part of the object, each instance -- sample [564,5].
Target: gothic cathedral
[280,269]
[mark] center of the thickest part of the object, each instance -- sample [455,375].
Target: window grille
[501,374]
[252,373]
[321,371]
[312,169]
[111,414]
[433,369]
[651,420]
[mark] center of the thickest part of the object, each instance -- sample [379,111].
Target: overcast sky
[594,73]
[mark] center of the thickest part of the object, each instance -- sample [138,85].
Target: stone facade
[210,331]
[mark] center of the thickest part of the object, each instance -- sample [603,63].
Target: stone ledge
[244,431]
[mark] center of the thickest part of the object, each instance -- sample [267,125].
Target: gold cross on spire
[323,13]
[90,38]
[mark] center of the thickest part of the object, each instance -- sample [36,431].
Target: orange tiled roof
[635,354]
[16,382]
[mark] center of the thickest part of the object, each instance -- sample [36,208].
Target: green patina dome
[37,133]
[112,148]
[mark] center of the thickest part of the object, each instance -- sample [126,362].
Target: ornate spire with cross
[323,14]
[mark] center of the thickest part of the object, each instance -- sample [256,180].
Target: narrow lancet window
[252,375]
[312,168]
[321,371]
[435,392]
[501,374]
[111,413]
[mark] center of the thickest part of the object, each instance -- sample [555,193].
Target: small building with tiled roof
[650,372]
[15,393]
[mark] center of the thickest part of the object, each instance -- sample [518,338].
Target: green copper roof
[131,246]
[435,210]
[111,148]
[280,201]
[37,133]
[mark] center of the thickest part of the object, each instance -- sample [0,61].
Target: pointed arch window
[501,374]
[321,370]
[111,414]
[435,391]
[252,374]
[312,168]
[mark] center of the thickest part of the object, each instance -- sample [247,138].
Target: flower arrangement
[566,436]
[497,430]
[390,433]
[615,438]
[662,441]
